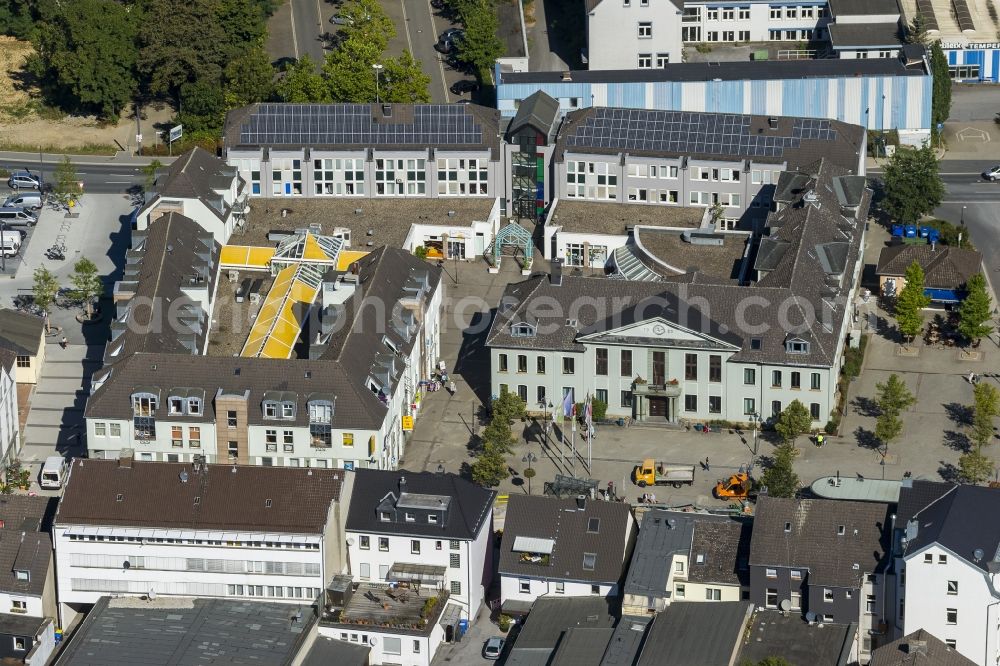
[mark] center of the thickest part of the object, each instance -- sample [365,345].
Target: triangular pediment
[656,329]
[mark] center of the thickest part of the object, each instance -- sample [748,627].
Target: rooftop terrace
[387,220]
[412,609]
[614,218]
[669,251]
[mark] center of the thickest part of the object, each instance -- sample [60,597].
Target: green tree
[67,187]
[16,18]
[87,56]
[497,436]
[302,84]
[490,468]
[507,407]
[793,421]
[780,478]
[893,397]
[975,310]
[44,289]
[203,107]
[405,81]
[149,174]
[87,284]
[913,186]
[248,79]
[975,467]
[481,45]
[941,92]
[911,302]
[916,31]
[986,407]
[767,661]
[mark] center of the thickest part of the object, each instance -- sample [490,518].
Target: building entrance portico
[655,403]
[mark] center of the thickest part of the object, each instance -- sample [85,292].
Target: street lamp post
[755,420]
[378,70]
[529,458]
[962,222]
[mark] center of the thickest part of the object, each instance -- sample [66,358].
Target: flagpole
[590,435]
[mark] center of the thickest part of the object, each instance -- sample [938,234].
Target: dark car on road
[464,86]
[448,40]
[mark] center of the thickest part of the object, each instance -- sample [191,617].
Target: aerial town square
[545,333]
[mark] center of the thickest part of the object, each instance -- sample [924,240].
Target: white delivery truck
[54,472]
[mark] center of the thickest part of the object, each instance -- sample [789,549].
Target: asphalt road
[98,178]
[309,21]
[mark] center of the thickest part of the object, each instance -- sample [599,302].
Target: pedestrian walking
[64,342]
[708,467]
[452,388]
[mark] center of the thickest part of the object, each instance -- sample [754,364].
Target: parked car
[438,4]
[15,216]
[448,40]
[341,19]
[30,200]
[464,86]
[493,648]
[992,174]
[26,179]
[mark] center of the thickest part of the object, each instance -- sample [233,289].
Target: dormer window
[22,575]
[409,517]
[390,344]
[194,406]
[176,406]
[144,404]
[385,516]
[796,346]
[288,410]
[589,561]
[432,518]
[320,411]
[270,410]
[522,331]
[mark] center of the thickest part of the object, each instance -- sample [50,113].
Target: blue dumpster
[463,626]
[897,230]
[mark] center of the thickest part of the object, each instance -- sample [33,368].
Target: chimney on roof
[567,75]
[125,458]
[402,485]
[581,502]
[555,272]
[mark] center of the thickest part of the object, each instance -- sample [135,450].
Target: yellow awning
[348,257]
[246,256]
[277,328]
[312,249]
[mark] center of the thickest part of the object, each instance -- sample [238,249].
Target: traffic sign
[407,423]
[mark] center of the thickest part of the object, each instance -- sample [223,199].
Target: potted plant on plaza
[504,622]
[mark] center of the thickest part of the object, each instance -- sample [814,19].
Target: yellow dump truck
[652,473]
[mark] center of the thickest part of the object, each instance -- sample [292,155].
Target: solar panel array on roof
[963,15]
[689,132]
[353,124]
[925,8]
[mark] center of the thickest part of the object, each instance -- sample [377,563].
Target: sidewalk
[123,158]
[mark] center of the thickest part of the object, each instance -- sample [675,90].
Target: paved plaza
[933,438]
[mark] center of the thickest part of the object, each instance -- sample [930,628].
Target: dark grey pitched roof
[695,634]
[775,635]
[732,71]
[20,332]
[720,552]
[955,521]
[172,254]
[582,646]
[625,644]
[178,632]
[840,8]
[198,174]
[537,110]
[548,622]
[850,190]
[944,267]
[795,141]
[21,625]
[354,405]
[813,540]
[25,543]
[326,651]
[869,35]
[153,495]
[569,527]
[915,494]
[470,508]
[662,534]
[346,126]
[918,648]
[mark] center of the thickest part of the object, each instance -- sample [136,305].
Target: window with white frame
[343,177]
[743,13]
[286,177]
[398,177]
[776,13]
[712,14]
[645,30]
[591,180]
[728,13]
[645,61]
[662,60]
[458,176]
[250,169]
[700,198]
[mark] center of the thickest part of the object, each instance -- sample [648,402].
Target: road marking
[973,201]
[958,173]
[117,182]
[406,26]
[438,57]
[291,16]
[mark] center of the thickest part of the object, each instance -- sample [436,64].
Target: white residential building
[202,187]
[947,567]
[432,529]
[575,547]
[10,428]
[27,578]
[127,527]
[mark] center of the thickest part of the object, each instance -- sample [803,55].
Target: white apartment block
[127,527]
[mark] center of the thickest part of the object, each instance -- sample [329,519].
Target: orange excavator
[737,486]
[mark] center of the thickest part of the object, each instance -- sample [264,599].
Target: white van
[31,200]
[10,242]
[54,472]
